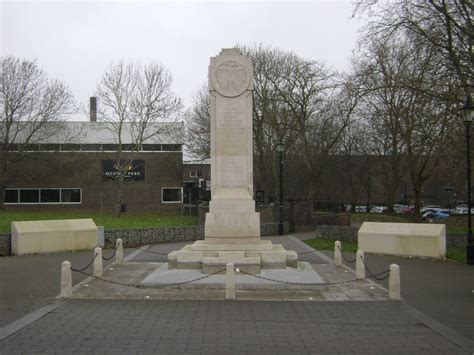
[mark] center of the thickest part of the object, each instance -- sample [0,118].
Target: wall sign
[134,169]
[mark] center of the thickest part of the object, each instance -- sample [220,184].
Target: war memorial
[181,297]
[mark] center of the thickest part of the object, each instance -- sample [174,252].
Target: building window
[29,196]
[11,196]
[171,194]
[49,195]
[195,173]
[171,147]
[43,196]
[151,147]
[70,195]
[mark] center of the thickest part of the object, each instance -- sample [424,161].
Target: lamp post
[468,110]
[279,147]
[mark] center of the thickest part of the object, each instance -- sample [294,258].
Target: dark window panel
[109,147]
[172,147]
[71,195]
[152,147]
[29,196]
[49,196]
[11,196]
[49,147]
[171,194]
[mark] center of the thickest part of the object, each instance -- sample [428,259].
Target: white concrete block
[414,239]
[53,235]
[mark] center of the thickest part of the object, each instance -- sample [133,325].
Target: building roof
[98,133]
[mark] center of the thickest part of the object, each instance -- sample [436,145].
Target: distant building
[196,181]
[72,167]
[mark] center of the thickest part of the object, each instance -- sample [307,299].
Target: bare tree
[444,25]
[133,98]
[408,125]
[296,101]
[198,125]
[31,107]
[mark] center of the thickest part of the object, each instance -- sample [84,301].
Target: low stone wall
[143,236]
[349,235]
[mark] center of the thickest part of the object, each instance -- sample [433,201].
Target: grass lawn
[359,218]
[101,219]
[453,253]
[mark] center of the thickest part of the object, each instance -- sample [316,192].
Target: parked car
[429,208]
[408,209]
[397,208]
[361,209]
[461,209]
[379,209]
[432,215]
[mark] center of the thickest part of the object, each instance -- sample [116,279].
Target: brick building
[72,167]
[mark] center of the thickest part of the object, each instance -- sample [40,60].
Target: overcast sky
[75,41]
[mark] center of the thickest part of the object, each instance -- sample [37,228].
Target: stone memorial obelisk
[232,218]
[232,228]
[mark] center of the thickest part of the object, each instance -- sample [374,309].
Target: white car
[379,209]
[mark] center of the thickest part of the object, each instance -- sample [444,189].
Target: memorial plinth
[232,228]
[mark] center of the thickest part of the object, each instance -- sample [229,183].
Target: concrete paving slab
[289,278]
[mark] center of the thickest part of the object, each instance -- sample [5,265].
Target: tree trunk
[118,204]
[3,185]
[3,180]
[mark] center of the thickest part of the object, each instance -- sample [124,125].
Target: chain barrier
[350,261]
[148,286]
[375,276]
[110,257]
[314,284]
[87,266]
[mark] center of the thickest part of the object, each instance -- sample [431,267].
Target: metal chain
[350,261]
[110,257]
[148,286]
[313,284]
[375,275]
[85,267]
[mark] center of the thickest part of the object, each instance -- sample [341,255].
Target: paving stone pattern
[207,327]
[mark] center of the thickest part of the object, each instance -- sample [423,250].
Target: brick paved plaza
[222,327]
[133,323]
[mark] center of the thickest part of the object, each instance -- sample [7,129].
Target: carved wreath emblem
[231,78]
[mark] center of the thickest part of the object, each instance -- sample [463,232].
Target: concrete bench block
[412,239]
[53,235]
